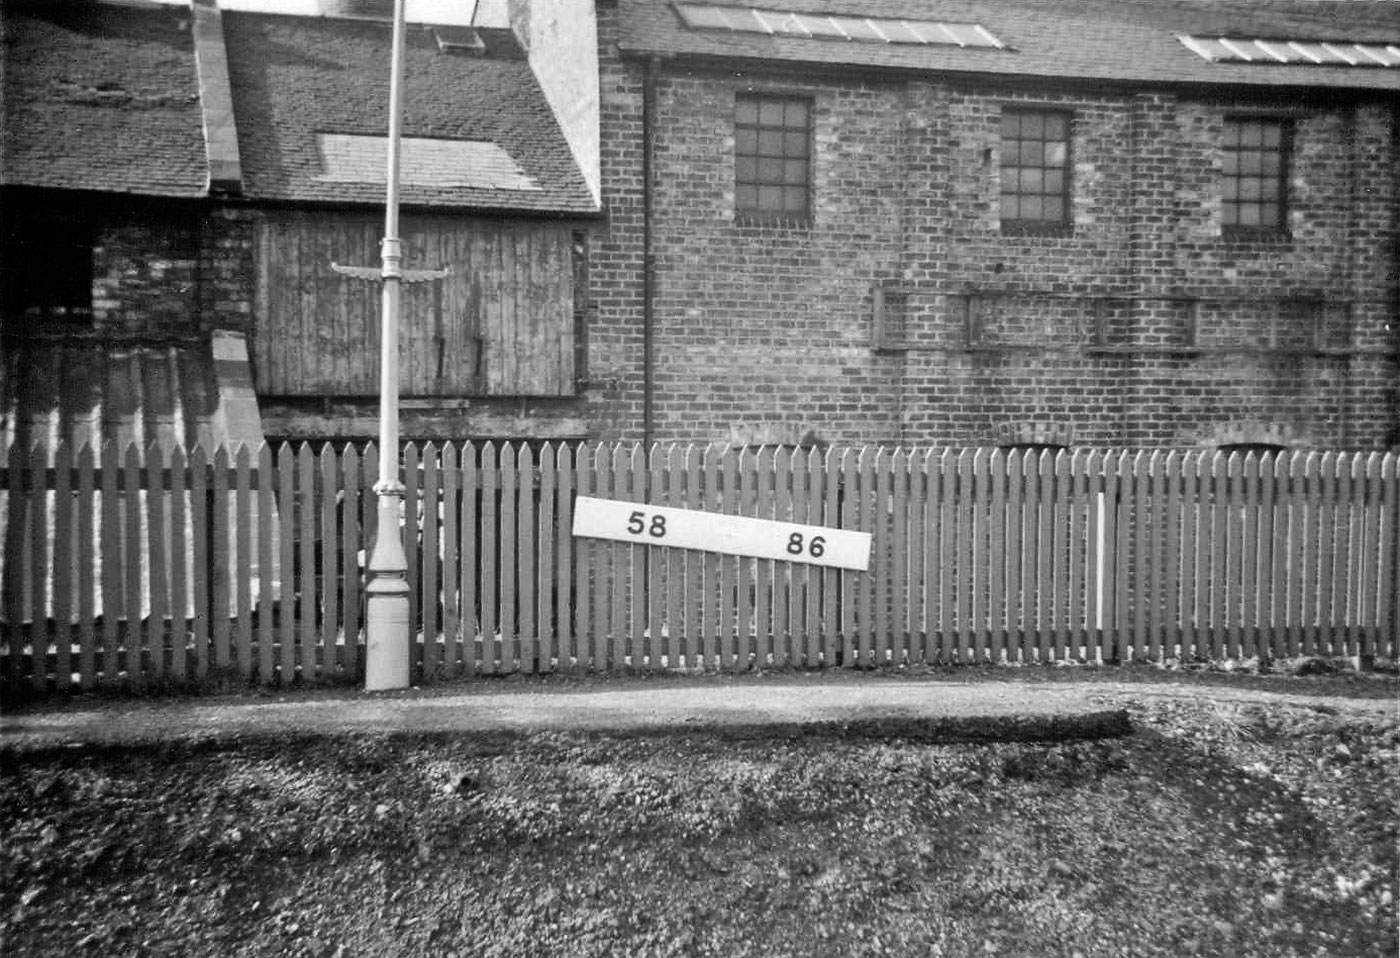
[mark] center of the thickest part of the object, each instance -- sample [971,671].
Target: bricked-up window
[772,158]
[1034,171]
[1254,174]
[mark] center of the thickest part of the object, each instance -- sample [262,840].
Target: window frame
[756,214]
[1278,227]
[1042,226]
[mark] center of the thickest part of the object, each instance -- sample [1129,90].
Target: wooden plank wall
[501,324]
[140,567]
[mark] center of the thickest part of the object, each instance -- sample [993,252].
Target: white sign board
[713,532]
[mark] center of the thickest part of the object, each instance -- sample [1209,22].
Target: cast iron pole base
[387,629]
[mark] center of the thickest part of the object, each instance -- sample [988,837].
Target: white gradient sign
[712,532]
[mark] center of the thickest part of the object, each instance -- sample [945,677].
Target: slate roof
[101,98]
[1134,41]
[295,77]
[105,96]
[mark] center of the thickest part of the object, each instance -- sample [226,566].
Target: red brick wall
[767,330]
[615,374]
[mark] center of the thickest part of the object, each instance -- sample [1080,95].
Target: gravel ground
[1232,820]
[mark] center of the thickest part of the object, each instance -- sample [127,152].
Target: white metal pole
[387,629]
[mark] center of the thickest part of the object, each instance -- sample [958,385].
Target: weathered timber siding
[502,323]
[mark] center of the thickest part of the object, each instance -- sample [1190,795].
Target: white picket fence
[139,566]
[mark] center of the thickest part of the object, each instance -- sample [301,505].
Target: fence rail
[141,566]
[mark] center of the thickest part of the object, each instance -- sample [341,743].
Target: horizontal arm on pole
[375,274]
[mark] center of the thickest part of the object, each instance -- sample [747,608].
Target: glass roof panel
[1377,54]
[1311,52]
[698,16]
[986,36]
[1240,50]
[1340,53]
[791,25]
[900,32]
[820,26]
[1278,52]
[1208,49]
[858,29]
[966,34]
[704,18]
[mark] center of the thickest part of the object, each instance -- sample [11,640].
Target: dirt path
[621,706]
[636,703]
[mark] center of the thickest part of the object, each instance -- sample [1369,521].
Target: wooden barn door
[501,324]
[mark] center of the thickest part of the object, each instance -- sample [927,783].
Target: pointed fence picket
[144,566]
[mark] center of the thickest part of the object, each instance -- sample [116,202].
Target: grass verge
[1212,829]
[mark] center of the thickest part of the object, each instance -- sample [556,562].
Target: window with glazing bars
[1035,179]
[1254,174]
[772,157]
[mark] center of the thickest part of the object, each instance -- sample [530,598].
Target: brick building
[1028,222]
[177,182]
[1063,222]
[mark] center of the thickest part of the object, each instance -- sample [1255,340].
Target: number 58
[637,524]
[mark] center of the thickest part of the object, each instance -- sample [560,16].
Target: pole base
[386,634]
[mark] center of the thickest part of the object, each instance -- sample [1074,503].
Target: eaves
[489,212]
[1011,82]
[135,198]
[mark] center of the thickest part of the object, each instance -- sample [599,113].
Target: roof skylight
[425,161]
[1333,53]
[458,40]
[815,26]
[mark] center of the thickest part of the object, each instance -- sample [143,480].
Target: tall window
[1254,174]
[772,158]
[1034,171]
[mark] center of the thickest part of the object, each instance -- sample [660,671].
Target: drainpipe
[648,253]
